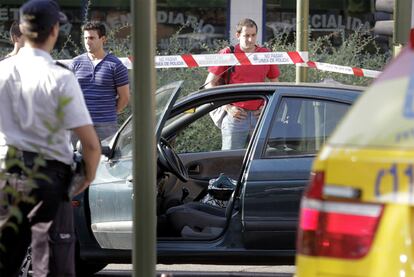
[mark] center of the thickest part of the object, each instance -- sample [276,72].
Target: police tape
[261,58]
[204,60]
[356,71]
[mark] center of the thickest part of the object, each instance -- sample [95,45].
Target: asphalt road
[187,270]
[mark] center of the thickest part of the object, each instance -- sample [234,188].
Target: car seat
[199,220]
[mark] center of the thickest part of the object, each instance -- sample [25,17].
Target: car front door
[295,128]
[110,195]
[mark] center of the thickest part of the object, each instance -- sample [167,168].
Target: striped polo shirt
[99,85]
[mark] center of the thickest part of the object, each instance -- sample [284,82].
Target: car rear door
[297,123]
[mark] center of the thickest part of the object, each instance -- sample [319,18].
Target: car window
[199,136]
[124,143]
[301,126]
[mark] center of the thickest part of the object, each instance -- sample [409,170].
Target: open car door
[110,195]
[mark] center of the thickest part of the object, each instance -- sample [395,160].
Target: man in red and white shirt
[241,117]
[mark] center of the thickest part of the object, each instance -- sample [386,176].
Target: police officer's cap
[41,15]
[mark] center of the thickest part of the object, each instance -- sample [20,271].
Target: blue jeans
[236,132]
[103,130]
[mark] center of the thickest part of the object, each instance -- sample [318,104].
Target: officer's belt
[29,157]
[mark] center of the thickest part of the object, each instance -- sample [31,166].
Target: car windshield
[164,100]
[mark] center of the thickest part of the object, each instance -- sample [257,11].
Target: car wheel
[88,268]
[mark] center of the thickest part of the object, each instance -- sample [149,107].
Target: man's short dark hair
[245,22]
[97,26]
[14,31]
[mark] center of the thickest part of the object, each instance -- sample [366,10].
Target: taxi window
[382,117]
[301,126]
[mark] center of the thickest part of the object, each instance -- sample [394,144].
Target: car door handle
[129,180]
[194,169]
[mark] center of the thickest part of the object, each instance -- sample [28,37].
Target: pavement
[187,270]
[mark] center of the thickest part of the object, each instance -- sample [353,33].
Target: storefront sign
[7,14]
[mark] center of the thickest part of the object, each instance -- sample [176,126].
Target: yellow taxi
[357,214]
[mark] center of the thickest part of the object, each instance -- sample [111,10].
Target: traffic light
[384,23]
[393,19]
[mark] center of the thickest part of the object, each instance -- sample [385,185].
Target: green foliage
[201,136]
[68,49]
[193,77]
[120,47]
[16,190]
[358,50]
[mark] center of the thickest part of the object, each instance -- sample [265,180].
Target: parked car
[257,222]
[357,213]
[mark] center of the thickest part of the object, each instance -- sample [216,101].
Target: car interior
[188,206]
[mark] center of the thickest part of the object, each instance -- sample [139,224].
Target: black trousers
[35,226]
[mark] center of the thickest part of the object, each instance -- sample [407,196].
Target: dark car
[250,214]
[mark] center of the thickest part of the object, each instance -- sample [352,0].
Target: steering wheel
[170,160]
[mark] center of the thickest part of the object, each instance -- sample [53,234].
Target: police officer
[40,103]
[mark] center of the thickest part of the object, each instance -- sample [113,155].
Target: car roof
[269,85]
[334,91]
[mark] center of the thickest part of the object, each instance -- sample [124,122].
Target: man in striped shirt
[103,79]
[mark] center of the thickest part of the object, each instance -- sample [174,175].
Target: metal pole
[412,15]
[302,36]
[144,167]
[402,21]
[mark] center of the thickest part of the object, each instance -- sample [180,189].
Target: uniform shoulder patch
[62,65]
